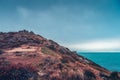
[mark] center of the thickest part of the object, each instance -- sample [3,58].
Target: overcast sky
[83,25]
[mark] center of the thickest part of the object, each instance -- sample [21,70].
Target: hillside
[28,56]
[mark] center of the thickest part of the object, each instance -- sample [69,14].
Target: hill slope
[27,56]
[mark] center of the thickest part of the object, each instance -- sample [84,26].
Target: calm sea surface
[110,61]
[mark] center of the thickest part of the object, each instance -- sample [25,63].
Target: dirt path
[20,49]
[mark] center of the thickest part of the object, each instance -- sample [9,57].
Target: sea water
[109,60]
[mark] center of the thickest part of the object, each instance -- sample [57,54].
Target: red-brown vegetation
[27,56]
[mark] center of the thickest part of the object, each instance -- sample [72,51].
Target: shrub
[1,52]
[18,53]
[75,77]
[114,76]
[88,75]
[17,72]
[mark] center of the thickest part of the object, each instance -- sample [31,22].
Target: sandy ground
[20,49]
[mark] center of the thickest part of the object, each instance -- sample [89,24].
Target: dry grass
[45,50]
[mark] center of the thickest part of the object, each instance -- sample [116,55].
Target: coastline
[109,60]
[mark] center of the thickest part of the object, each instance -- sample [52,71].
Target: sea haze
[109,60]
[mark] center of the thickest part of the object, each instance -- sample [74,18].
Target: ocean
[109,60]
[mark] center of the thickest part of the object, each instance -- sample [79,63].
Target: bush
[1,52]
[114,76]
[75,77]
[18,53]
[88,75]
[17,72]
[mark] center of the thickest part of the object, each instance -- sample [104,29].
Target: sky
[82,25]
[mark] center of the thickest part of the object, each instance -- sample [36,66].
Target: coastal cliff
[28,56]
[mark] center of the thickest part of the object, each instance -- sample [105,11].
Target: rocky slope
[27,56]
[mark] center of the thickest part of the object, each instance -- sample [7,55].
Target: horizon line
[98,51]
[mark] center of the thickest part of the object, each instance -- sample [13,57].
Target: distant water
[110,61]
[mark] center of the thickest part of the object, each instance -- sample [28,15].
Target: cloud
[24,12]
[97,45]
[65,24]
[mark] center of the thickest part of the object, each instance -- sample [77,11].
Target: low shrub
[88,75]
[1,52]
[17,72]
